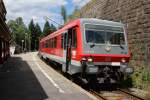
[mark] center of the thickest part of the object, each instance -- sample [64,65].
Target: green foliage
[141,77]
[18,30]
[53,28]
[31,27]
[32,31]
[48,29]
[137,80]
[126,81]
[76,14]
[64,13]
[146,75]
[35,33]
[38,30]
[30,35]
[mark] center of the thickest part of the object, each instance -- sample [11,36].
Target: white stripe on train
[74,62]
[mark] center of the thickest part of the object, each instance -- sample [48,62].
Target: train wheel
[93,83]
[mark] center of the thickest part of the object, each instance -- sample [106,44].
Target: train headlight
[129,70]
[89,59]
[123,60]
[83,59]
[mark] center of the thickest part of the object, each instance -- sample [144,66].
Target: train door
[68,40]
[64,46]
[68,49]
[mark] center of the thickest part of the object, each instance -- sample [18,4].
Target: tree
[46,29]
[38,35]
[38,29]
[53,28]
[13,27]
[32,31]
[19,21]
[76,14]
[64,13]
[18,30]
[31,26]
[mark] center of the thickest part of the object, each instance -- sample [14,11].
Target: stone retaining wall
[135,14]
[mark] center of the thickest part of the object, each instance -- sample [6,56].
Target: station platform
[26,77]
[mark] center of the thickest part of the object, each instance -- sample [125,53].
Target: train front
[105,50]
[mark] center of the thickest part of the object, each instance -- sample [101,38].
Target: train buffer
[26,77]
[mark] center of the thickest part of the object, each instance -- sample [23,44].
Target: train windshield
[99,34]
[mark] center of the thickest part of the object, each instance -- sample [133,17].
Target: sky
[38,9]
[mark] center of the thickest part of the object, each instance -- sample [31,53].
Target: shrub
[146,75]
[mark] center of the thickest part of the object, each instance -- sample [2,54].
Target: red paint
[58,51]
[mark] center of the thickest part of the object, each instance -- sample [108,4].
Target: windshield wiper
[121,46]
[92,45]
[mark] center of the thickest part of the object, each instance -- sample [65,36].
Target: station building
[4,34]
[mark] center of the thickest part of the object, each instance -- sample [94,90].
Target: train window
[102,34]
[94,36]
[55,42]
[46,44]
[42,44]
[52,43]
[74,38]
[115,38]
[63,40]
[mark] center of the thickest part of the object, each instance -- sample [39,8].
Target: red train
[90,48]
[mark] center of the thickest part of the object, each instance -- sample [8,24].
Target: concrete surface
[26,77]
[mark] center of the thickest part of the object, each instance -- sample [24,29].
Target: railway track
[131,94]
[119,94]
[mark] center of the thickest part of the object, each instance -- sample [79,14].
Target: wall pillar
[1,59]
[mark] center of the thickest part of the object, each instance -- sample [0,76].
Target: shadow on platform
[18,82]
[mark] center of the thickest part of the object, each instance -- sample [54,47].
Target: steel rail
[98,95]
[131,94]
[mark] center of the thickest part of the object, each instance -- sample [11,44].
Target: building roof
[4,30]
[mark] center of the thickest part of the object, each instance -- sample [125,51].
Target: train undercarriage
[92,74]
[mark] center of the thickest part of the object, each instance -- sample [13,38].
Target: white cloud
[35,9]
[80,3]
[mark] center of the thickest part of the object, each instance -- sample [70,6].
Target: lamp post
[29,42]
[35,45]
[25,44]
[22,45]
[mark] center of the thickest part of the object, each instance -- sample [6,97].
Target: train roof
[81,22]
[66,26]
[100,21]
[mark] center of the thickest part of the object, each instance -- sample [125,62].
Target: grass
[141,80]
